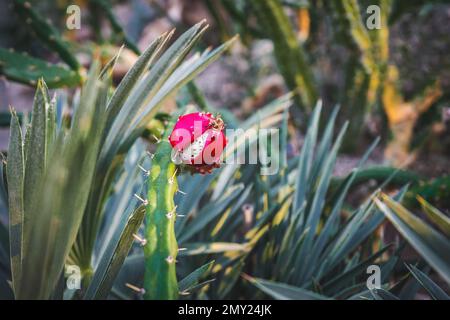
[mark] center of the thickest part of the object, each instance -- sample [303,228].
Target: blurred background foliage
[368,111]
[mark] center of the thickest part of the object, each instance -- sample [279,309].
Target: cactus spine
[160,280]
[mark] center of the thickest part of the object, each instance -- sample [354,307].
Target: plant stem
[290,56]
[160,280]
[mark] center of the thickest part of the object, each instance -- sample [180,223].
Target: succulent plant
[26,69]
[198,140]
[84,191]
[430,242]
[102,131]
[161,248]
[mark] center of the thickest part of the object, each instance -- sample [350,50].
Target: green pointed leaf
[209,213]
[133,76]
[192,249]
[282,291]
[428,242]
[437,217]
[53,227]
[114,256]
[193,278]
[305,160]
[433,289]
[36,148]
[15,176]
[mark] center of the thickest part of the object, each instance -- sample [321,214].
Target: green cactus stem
[160,280]
[23,68]
[48,34]
[290,56]
[105,7]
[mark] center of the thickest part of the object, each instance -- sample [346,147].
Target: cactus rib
[160,281]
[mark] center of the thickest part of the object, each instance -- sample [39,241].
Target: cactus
[161,247]
[25,69]
[290,56]
[118,31]
[402,114]
[372,44]
[133,105]
[160,280]
[45,32]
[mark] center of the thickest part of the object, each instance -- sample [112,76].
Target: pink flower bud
[199,140]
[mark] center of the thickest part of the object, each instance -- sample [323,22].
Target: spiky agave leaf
[300,239]
[15,175]
[55,195]
[433,289]
[432,245]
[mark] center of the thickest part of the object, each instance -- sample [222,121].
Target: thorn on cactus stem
[146,172]
[182,192]
[172,179]
[139,239]
[182,249]
[184,293]
[134,288]
[151,155]
[161,215]
[156,138]
[144,201]
[170,259]
[247,210]
[170,214]
[181,215]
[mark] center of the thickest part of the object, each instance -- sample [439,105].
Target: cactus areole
[198,141]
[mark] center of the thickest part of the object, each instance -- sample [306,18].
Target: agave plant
[261,225]
[21,67]
[300,243]
[430,242]
[83,192]
[238,223]
[370,79]
[313,247]
[60,178]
